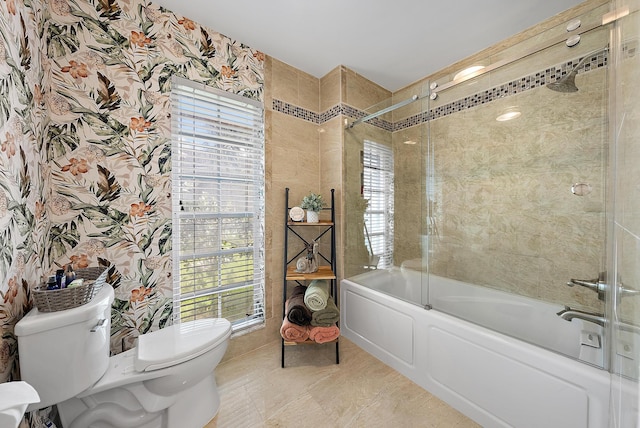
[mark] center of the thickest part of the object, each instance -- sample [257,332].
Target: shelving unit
[325,229]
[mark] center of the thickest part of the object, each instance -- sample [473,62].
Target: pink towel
[292,332]
[324,334]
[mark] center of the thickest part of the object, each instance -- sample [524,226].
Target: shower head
[567,83]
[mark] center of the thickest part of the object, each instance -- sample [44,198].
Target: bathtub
[493,378]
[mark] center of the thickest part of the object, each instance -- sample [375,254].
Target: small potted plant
[313,203]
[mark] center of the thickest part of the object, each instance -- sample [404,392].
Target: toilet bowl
[165,381]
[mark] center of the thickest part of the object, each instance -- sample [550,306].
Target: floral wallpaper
[85,148]
[23,224]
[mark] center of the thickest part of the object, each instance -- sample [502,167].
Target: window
[218,205]
[378,190]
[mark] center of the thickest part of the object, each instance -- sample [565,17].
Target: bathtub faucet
[568,314]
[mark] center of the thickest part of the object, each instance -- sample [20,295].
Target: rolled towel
[292,332]
[297,312]
[317,295]
[324,334]
[327,316]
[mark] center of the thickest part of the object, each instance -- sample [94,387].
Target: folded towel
[295,308]
[327,316]
[324,334]
[317,294]
[292,332]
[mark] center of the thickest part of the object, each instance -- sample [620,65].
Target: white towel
[317,295]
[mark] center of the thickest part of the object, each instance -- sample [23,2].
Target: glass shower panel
[359,255]
[626,221]
[384,185]
[518,185]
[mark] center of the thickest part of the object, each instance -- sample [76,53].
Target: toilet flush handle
[100,323]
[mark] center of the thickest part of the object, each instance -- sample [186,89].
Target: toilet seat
[179,343]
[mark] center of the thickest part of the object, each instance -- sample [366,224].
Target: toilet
[14,399]
[166,381]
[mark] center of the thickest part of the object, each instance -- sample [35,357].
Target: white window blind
[218,205]
[378,190]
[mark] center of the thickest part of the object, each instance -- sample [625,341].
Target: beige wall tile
[308,91]
[284,84]
[331,176]
[330,89]
[294,86]
[361,93]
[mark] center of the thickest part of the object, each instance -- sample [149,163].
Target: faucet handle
[589,283]
[592,284]
[600,286]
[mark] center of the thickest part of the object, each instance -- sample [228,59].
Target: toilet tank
[63,353]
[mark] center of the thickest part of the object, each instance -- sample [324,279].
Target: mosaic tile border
[513,87]
[295,111]
[335,111]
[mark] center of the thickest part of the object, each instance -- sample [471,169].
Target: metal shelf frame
[324,271]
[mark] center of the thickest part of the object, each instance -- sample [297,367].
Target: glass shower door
[625,228]
[519,188]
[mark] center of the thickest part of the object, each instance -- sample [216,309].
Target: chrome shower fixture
[567,83]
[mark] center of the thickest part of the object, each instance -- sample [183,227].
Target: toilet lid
[179,342]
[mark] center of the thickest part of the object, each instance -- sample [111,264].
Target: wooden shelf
[308,342]
[324,272]
[304,223]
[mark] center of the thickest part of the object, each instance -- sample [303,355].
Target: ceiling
[392,43]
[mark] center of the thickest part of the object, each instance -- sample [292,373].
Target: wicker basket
[67,298]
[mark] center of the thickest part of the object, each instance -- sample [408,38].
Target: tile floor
[313,391]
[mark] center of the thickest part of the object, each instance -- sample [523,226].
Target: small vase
[312,216]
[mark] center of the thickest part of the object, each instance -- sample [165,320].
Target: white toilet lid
[179,342]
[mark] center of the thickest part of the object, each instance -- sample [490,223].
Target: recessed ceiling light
[467,72]
[410,142]
[509,114]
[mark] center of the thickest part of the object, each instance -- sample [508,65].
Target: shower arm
[586,56]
